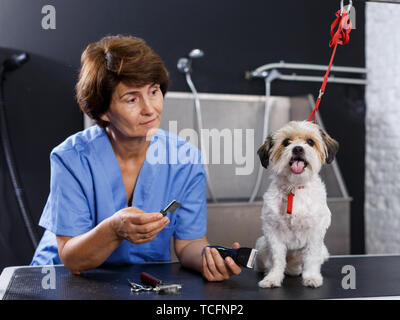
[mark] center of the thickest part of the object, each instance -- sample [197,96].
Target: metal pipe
[184,65]
[259,72]
[380,1]
[332,78]
[267,108]
[200,127]
[335,166]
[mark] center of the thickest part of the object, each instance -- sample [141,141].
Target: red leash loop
[289,207]
[340,36]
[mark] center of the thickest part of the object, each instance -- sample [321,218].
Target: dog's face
[298,150]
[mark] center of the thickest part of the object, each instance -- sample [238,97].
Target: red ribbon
[340,36]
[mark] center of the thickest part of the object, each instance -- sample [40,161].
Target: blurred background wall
[382,187]
[235,35]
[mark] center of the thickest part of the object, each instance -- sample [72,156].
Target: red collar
[290,196]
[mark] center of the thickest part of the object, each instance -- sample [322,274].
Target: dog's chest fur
[309,212]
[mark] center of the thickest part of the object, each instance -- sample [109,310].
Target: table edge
[8,272]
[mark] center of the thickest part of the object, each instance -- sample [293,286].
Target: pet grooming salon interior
[294,106]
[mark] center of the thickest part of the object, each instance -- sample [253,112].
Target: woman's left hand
[215,268]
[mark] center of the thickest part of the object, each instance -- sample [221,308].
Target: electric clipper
[245,257]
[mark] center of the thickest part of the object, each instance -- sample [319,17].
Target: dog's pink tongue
[297,166]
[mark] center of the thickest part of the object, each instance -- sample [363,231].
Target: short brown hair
[109,61]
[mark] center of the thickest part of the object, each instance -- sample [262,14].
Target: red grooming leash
[341,36]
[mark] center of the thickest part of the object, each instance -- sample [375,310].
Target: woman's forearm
[209,263]
[91,249]
[88,250]
[191,254]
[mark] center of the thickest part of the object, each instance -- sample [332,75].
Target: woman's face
[135,110]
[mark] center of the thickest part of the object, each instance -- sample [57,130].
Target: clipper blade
[246,257]
[252,259]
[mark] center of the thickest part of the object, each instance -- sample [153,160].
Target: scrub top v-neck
[86,187]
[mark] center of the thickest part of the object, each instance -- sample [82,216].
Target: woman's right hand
[137,226]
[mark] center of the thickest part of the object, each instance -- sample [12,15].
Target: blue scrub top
[86,187]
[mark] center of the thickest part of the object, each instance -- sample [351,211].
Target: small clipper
[171,207]
[245,257]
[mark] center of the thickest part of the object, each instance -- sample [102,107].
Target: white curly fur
[294,243]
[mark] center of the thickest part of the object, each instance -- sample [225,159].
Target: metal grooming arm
[380,1]
[263,71]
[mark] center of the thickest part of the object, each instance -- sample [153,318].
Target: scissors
[136,287]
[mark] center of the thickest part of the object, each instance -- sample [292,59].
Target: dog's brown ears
[332,146]
[264,152]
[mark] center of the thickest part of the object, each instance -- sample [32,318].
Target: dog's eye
[286,142]
[310,142]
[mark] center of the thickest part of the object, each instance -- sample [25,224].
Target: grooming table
[377,277]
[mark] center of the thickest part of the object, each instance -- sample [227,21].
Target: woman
[106,190]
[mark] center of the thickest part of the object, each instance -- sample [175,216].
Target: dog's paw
[313,281]
[270,281]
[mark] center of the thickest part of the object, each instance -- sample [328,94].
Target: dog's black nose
[297,151]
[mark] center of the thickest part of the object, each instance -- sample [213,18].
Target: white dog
[295,215]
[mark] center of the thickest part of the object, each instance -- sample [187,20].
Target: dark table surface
[376,276]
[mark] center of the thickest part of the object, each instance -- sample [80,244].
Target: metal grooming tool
[158,285]
[136,287]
